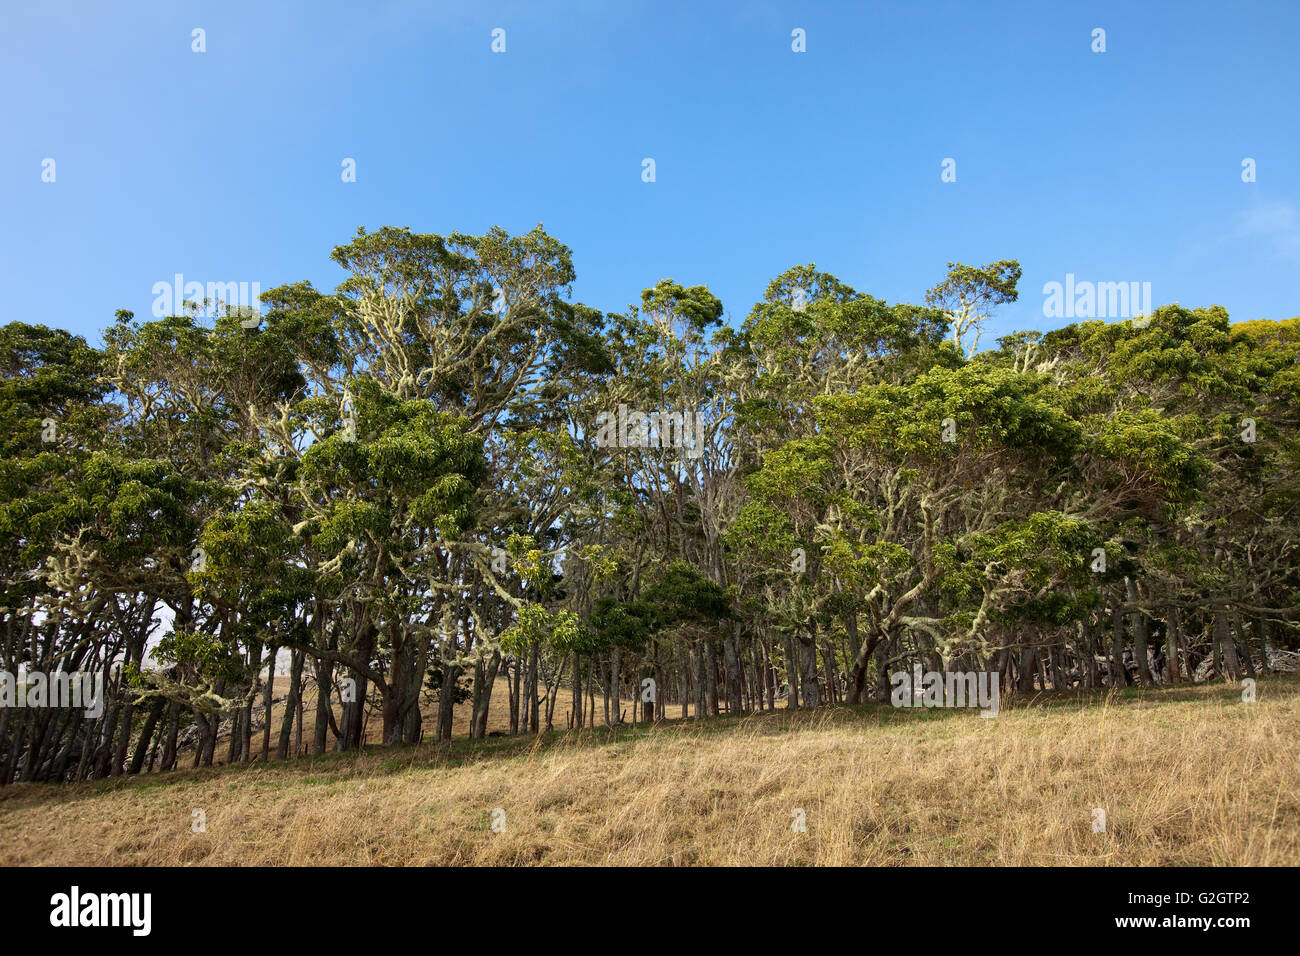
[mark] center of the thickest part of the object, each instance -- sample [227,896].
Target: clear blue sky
[1122,166]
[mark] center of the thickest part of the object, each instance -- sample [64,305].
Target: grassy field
[1184,775]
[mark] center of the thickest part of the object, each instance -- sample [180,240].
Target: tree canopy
[447,472]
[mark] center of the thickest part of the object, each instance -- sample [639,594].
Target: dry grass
[1186,776]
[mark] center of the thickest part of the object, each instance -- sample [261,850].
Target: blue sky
[225,165]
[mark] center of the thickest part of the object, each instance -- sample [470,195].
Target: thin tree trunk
[1244,644]
[1139,636]
[1118,672]
[146,735]
[811,688]
[616,701]
[1225,644]
[791,673]
[291,704]
[701,681]
[324,685]
[1171,646]
[173,732]
[268,698]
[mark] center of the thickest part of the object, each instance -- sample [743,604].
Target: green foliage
[344,478]
[681,594]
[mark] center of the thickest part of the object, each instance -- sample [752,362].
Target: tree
[969,294]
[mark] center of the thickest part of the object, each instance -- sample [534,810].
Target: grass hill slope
[1185,775]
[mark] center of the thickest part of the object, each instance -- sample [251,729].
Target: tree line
[446,473]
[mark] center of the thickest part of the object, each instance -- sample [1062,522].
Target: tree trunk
[1223,638]
[447,701]
[268,698]
[1118,672]
[324,684]
[858,673]
[791,673]
[615,686]
[1172,665]
[1087,654]
[513,687]
[290,704]
[1139,636]
[168,761]
[354,715]
[701,681]
[485,675]
[1028,660]
[811,688]
[1244,644]
[882,668]
[1266,645]
[146,735]
[577,691]
[534,722]
[731,666]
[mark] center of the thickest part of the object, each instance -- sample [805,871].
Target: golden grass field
[1185,776]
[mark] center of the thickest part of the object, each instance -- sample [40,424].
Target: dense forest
[447,474]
